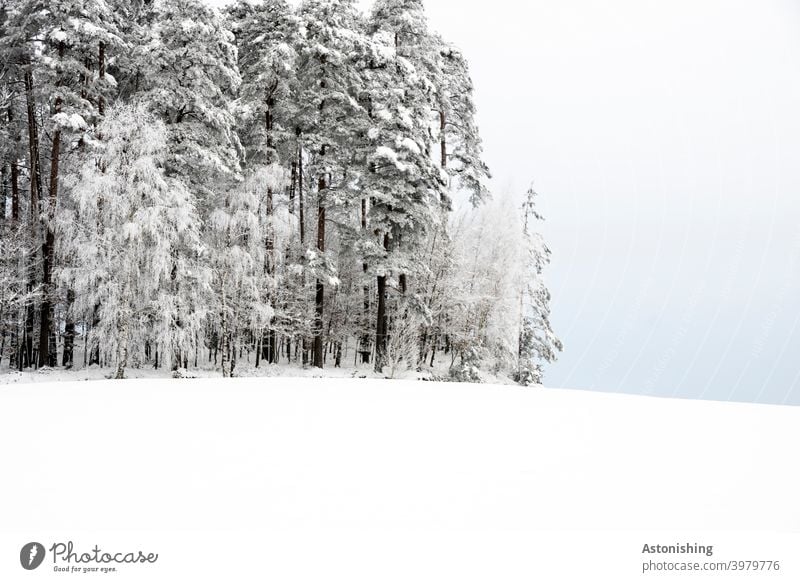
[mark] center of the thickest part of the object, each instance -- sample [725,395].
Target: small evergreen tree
[537,342]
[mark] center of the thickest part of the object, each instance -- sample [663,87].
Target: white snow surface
[373,456]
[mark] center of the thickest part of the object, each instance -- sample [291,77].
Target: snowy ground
[362,479]
[245,368]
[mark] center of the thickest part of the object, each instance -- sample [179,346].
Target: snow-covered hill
[368,460]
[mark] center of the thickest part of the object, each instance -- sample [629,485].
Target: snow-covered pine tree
[13,232]
[330,51]
[537,342]
[265,33]
[14,243]
[130,221]
[403,183]
[460,146]
[188,77]
[58,47]
[16,67]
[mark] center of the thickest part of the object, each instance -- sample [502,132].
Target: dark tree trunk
[14,174]
[26,361]
[47,357]
[101,68]
[269,121]
[319,302]
[380,329]
[14,191]
[46,309]
[33,144]
[69,332]
[292,187]
[26,357]
[443,139]
[268,343]
[365,343]
[381,323]
[300,195]
[13,352]
[94,354]
[272,344]
[271,355]
[302,220]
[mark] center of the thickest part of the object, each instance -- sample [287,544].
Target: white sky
[664,138]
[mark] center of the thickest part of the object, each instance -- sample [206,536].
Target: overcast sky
[664,139]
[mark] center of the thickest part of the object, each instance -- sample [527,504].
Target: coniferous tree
[537,342]
[265,34]
[403,183]
[56,45]
[188,71]
[460,146]
[329,81]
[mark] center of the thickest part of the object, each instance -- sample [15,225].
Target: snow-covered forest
[186,188]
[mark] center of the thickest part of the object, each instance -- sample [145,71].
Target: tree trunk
[365,343]
[26,361]
[380,329]
[101,67]
[300,195]
[292,186]
[442,139]
[26,357]
[33,144]
[271,353]
[272,343]
[14,192]
[46,357]
[122,350]
[14,169]
[319,302]
[380,324]
[94,353]
[14,177]
[227,368]
[69,332]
